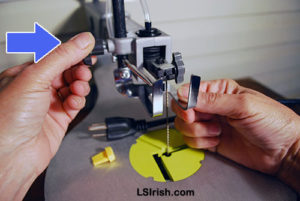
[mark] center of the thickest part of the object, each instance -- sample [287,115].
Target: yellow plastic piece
[182,163]
[141,159]
[106,156]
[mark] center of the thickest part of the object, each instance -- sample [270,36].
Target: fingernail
[94,59]
[214,130]
[83,40]
[183,91]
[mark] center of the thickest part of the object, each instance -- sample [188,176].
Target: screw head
[125,73]
[114,59]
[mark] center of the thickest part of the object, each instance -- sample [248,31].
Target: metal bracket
[193,93]
[151,94]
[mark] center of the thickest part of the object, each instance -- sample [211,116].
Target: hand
[37,103]
[238,123]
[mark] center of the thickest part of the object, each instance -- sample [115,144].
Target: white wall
[55,15]
[228,38]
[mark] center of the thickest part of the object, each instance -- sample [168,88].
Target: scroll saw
[146,71]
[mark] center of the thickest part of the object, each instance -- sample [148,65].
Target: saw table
[71,175]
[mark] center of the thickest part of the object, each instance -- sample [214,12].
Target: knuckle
[195,131]
[233,87]
[199,130]
[196,128]
[244,99]
[199,143]
[83,69]
[245,103]
[63,50]
[78,102]
[230,82]
[211,98]
[187,115]
[229,85]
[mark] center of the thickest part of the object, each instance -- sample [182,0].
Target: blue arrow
[40,42]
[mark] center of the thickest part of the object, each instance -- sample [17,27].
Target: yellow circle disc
[148,157]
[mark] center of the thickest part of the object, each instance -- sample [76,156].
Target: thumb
[60,59]
[231,103]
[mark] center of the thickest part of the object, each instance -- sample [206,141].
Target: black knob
[179,67]
[99,49]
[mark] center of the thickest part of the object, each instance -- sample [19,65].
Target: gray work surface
[72,177]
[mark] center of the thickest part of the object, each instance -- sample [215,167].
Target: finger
[82,72]
[13,71]
[226,86]
[62,58]
[80,88]
[73,104]
[227,98]
[94,60]
[64,92]
[190,115]
[187,115]
[198,129]
[59,82]
[68,75]
[202,142]
[79,72]
[199,116]
[222,86]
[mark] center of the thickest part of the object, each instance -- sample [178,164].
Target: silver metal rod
[167,118]
[134,69]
